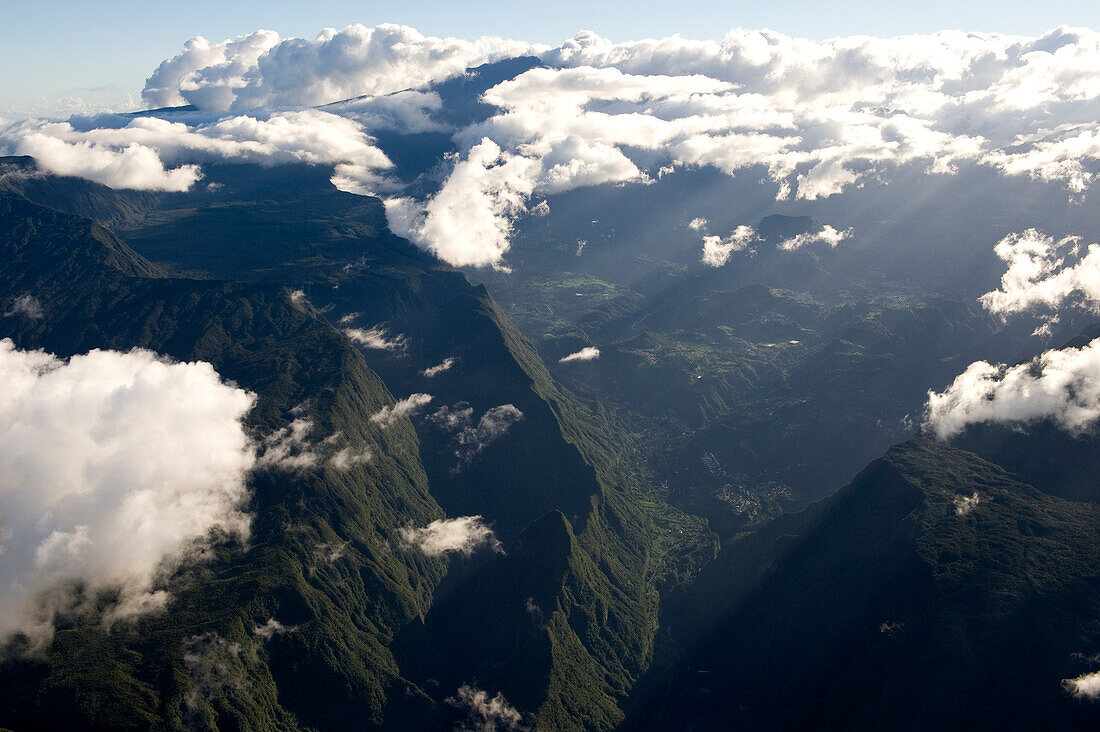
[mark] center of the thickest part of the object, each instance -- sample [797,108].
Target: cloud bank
[149,153]
[811,118]
[114,469]
[1059,385]
[463,535]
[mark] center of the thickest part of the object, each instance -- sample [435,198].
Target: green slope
[890,608]
[345,611]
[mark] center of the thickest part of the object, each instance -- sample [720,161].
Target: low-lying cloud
[462,535]
[376,338]
[407,407]
[1059,385]
[485,713]
[471,438]
[154,154]
[827,235]
[26,306]
[588,353]
[115,468]
[433,371]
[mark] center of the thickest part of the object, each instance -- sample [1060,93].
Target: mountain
[933,589]
[327,556]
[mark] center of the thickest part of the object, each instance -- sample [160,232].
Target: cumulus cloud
[115,468]
[1086,686]
[827,235]
[469,221]
[698,224]
[260,70]
[717,250]
[433,371]
[141,153]
[407,407]
[26,306]
[1044,274]
[463,535]
[1058,385]
[588,353]
[485,713]
[376,337]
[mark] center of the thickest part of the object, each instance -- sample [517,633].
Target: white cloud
[827,235]
[407,111]
[485,713]
[462,535]
[349,457]
[114,469]
[26,306]
[288,448]
[820,117]
[698,224]
[493,425]
[260,70]
[1044,273]
[407,407]
[271,628]
[817,118]
[469,221]
[717,251]
[588,353]
[1059,385]
[433,371]
[1086,686]
[471,439]
[966,504]
[375,337]
[140,153]
[228,61]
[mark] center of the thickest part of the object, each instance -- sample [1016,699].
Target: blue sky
[101,51]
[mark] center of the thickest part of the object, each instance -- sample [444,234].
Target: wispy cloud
[407,407]
[377,338]
[433,371]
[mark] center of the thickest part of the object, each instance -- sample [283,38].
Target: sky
[102,52]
